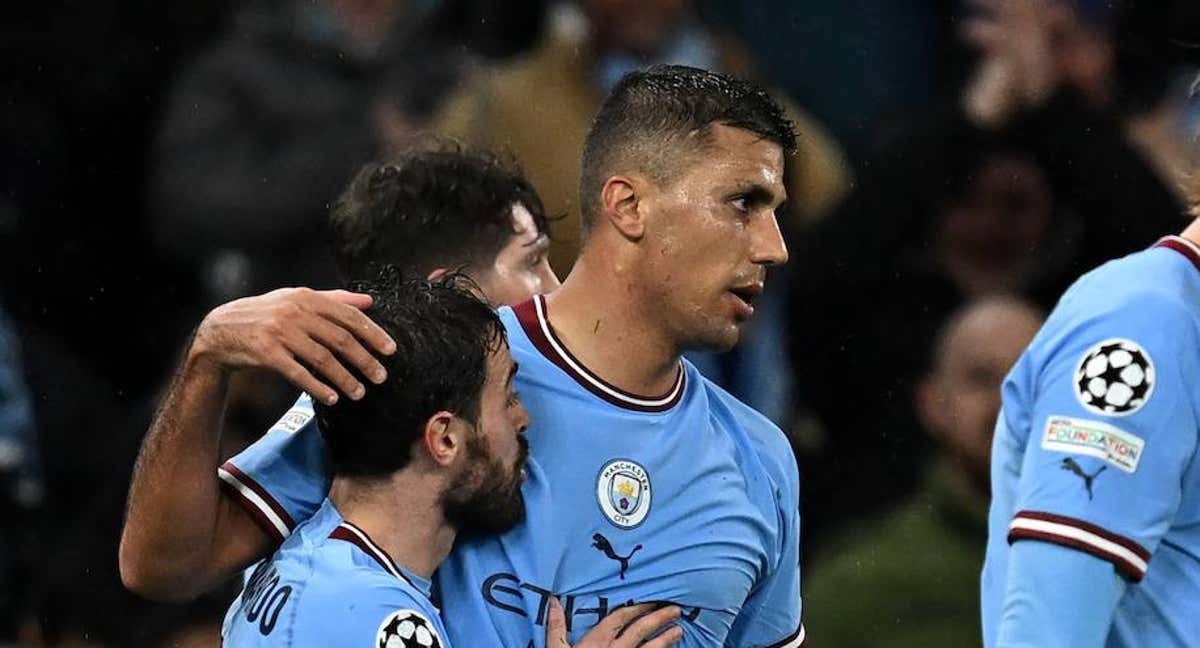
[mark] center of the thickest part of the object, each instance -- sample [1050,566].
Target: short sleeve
[770,617]
[1113,429]
[357,615]
[282,478]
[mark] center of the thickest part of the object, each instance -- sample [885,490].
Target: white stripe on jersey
[254,499]
[1066,531]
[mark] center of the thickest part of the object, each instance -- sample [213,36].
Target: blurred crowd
[960,165]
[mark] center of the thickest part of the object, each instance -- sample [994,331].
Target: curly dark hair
[647,118]
[436,206]
[443,336]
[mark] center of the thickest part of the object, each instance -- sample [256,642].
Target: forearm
[182,533]
[174,499]
[1041,576]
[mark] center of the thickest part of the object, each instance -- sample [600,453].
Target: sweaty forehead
[742,153]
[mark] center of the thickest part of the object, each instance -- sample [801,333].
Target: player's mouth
[743,299]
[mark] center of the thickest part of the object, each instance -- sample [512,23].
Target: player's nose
[522,419]
[767,246]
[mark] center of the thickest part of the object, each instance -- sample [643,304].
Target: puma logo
[1069,464]
[602,543]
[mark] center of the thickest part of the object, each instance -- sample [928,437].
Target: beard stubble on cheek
[486,498]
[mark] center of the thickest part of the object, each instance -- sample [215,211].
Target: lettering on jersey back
[263,599]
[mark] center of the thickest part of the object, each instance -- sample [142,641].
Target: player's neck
[598,315]
[403,516]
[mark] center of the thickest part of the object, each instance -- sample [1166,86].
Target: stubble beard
[486,498]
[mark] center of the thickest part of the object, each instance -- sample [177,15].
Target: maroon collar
[1182,246]
[534,319]
[359,538]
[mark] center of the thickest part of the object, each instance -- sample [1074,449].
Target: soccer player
[440,440]
[646,482]
[1094,529]
[427,211]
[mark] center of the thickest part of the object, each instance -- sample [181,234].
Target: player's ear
[621,205]
[442,438]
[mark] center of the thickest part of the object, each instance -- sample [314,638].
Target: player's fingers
[319,359]
[669,638]
[360,301]
[648,625]
[348,347]
[296,374]
[623,616]
[556,626]
[355,321]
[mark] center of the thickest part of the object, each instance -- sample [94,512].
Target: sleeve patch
[407,629]
[295,419]
[1093,439]
[1114,378]
[1129,558]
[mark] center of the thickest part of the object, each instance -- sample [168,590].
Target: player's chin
[721,339]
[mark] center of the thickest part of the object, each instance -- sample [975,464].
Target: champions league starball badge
[1114,378]
[407,629]
[623,491]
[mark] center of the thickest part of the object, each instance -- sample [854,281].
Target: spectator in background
[260,134]
[966,208]
[1065,64]
[540,105]
[911,577]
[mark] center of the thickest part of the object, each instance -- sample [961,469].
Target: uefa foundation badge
[623,491]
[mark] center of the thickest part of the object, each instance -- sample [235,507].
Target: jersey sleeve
[770,617]
[361,614]
[282,478]
[1113,429]
[1042,575]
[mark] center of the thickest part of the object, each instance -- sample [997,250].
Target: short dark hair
[434,206]
[646,119]
[443,336]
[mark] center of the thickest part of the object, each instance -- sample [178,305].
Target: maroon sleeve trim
[1130,558]
[265,509]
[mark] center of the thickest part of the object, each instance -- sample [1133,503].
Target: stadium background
[159,158]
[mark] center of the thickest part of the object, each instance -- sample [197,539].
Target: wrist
[200,357]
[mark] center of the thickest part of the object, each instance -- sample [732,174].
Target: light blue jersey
[1096,451]
[688,497]
[330,585]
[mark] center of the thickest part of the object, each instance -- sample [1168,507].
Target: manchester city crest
[623,491]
